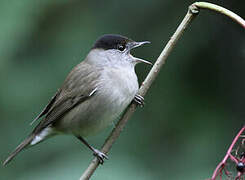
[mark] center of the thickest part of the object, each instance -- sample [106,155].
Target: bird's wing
[77,88]
[47,107]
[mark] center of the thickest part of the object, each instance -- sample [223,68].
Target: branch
[221,166]
[219,9]
[192,12]
[142,91]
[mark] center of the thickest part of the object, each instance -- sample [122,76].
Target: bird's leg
[101,156]
[139,100]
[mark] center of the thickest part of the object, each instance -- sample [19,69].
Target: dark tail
[19,148]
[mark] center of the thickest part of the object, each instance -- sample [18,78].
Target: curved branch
[192,12]
[219,9]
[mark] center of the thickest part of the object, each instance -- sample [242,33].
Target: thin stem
[192,12]
[142,91]
[228,154]
[214,7]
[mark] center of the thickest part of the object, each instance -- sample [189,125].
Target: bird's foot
[100,155]
[139,100]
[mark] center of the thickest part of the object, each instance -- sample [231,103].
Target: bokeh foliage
[192,111]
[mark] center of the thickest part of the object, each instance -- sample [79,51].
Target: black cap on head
[111,41]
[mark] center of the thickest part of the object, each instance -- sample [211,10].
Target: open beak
[136,44]
[138,60]
[133,45]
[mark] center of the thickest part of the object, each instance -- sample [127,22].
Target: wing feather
[77,88]
[47,107]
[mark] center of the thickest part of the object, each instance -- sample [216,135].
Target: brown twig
[192,12]
[142,91]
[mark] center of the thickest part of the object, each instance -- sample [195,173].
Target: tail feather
[19,148]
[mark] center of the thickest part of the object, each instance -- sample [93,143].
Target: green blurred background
[193,110]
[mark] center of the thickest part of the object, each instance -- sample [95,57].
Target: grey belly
[94,114]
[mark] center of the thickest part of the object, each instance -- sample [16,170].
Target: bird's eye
[121,47]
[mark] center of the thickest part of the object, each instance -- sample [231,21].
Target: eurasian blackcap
[94,93]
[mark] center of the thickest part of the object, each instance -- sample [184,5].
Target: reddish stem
[221,165]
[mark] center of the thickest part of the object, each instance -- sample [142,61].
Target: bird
[92,96]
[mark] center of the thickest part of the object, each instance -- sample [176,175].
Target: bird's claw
[139,100]
[100,155]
